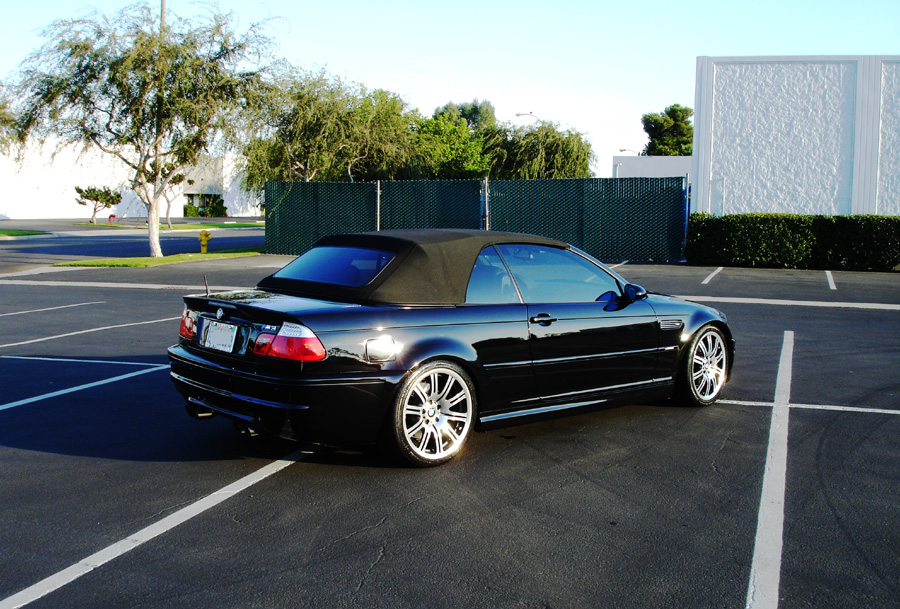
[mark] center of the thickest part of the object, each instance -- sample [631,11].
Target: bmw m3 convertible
[414,338]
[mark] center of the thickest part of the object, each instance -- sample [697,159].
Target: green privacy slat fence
[431,204]
[300,213]
[638,219]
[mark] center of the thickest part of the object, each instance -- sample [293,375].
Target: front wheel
[433,414]
[704,368]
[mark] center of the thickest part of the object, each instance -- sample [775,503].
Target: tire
[433,414]
[704,368]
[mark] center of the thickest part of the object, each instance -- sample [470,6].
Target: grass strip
[20,233]
[142,262]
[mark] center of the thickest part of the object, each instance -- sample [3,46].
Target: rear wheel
[433,413]
[704,368]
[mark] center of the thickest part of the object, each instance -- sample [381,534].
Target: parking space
[113,497]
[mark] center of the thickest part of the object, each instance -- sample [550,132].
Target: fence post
[486,219]
[377,205]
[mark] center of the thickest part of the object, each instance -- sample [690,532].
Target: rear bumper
[332,410]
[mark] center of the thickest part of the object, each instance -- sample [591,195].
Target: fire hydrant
[204,239]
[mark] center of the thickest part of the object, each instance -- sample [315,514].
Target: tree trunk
[153,228]
[169,213]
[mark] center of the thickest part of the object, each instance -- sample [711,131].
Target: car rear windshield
[344,266]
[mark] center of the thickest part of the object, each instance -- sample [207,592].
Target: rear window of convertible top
[351,267]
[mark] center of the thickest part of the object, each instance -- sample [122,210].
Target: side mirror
[634,292]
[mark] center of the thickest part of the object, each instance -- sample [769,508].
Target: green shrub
[215,208]
[857,243]
[191,211]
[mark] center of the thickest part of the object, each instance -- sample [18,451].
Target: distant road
[19,254]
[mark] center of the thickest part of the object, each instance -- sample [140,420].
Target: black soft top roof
[429,266]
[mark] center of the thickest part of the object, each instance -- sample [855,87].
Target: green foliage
[536,152]
[477,114]
[446,149]
[156,100]
[7,119]
[856,243]
[320,128]
[670,132]
[97,198]
[317,127]
[215,209]
[191,211]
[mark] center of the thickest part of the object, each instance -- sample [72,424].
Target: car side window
[489,282]
[548,274]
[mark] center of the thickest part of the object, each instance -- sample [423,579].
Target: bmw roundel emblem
[219,314]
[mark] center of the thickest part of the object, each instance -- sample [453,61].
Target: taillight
[188,323]
[293,341]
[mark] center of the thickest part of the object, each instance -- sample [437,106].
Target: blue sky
[593,66]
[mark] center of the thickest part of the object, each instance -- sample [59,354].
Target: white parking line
[132,286]
[765,570]
[88,331]
[830,278]
[615,266]
[80,304]
[874,306]
[54,394]
[85,566]
[76,360]
[830,407]
[711,275]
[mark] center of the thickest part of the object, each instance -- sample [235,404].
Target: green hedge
[854,243]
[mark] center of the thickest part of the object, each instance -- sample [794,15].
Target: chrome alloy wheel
[437,413]
[708,365]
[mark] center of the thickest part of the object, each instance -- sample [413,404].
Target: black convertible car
[414,338]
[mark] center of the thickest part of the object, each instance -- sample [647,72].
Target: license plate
[219,336]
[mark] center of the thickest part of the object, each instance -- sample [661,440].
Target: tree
[156,98]
[317,127]
[7,119]
[304,114]
[477,114]
[98,199]
[171,192]
[447,150]
[538,151]
[379,136]
[670,131]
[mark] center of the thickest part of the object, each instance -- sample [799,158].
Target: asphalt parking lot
[785,494]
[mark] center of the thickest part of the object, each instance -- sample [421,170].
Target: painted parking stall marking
[765,570]
[830,279]
[80,304]
[46,396]
[88,331]
[98,559]
[711,275]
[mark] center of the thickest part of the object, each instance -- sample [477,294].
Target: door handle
[543,319]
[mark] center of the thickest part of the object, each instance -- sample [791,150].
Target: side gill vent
[671,324]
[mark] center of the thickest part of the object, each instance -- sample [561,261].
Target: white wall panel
[808,135]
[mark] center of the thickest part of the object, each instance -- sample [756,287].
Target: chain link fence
[613,219]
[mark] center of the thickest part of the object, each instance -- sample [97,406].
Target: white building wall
[651,166]
[42,185]
[888,198]
[804,135]
[238,201]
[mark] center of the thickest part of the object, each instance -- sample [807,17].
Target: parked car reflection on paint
[415,338]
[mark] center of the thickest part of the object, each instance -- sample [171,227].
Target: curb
[26,237]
